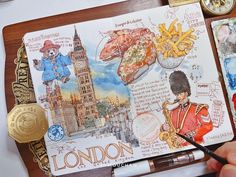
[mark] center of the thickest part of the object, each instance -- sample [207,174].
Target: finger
[231,157]
[226,151]
[214,165]
[227,148]
[228,171]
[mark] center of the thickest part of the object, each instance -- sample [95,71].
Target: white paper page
[120,75]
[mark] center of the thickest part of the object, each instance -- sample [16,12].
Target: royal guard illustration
[53,63]
[183,116]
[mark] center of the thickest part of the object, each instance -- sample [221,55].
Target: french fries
[174,42]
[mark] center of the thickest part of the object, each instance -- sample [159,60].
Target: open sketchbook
[118,89]
[225,39]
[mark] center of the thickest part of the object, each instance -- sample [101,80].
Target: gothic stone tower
[83,74]
[54,98]
[62,112]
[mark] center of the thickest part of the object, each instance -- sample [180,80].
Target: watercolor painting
[140,48]
[184,116]
[82,99]
[117,89]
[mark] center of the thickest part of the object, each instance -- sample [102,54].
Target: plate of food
[173,44]
[134,47]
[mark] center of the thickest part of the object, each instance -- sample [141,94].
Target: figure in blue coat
[53,64]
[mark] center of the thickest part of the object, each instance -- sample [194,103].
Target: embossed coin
[27,122]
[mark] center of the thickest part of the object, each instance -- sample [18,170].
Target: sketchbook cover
[117,89]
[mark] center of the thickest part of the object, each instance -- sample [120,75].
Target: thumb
[231,157]
[228,171]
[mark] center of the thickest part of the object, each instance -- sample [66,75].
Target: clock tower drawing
[86,90]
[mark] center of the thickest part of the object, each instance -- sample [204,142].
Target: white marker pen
[157,164]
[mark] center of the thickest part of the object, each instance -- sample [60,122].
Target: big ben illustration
[86,116]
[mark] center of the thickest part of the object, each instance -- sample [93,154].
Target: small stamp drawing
[56,132]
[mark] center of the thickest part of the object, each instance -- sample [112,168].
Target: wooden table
[13,38]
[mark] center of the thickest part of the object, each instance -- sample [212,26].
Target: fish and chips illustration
[174,42]
[139,48]
[136,49]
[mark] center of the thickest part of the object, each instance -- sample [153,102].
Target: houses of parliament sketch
[79,115]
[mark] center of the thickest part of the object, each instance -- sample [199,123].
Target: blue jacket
[56,70]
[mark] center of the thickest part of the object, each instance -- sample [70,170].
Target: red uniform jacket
[192,120]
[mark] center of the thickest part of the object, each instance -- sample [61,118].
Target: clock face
[217,7]
[81,64]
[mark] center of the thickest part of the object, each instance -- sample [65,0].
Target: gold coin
[27,122]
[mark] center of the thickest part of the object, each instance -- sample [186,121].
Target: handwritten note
[149,96]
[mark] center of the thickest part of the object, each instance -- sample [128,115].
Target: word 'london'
[92,155]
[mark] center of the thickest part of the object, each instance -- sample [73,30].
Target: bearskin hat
[179,83]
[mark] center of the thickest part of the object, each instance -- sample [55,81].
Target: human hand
[228,151]
[166,127]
